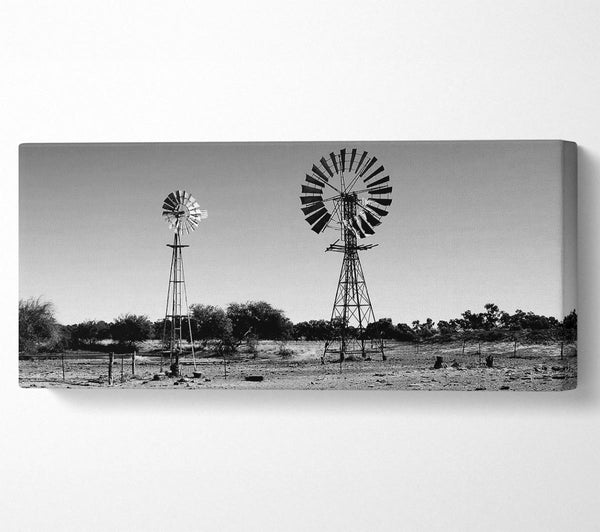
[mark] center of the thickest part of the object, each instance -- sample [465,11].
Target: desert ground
[297,365]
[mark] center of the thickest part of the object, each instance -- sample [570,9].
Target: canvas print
[299,265]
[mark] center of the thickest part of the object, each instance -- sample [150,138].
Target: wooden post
[515,349]
[122,363]
[111,359]
[562,348]
[479,352]
[463,349]
[62,362]
[133,363]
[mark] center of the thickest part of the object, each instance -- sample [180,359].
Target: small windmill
[357,200]
[182,212]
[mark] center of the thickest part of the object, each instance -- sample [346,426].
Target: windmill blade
[326,166]
[310,199]
[313,207]
[168,206]
[379,181]
[311,190]
[377,210]
[352,158]
[357,229]
[321,224]
[368,165]
[343,159]
[365,226]
[170,202]
[317,171]
[362,159]
[333,158]
[371,218]
[313,181]
[384,190]
[203,215]
[376,172]
[311,219]
[382,201]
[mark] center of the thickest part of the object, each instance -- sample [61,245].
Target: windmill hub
[349,192]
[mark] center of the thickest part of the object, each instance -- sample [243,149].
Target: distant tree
[312,330]
[447,328]
[405,333]
[130,329]
[382,328]
[210,322]
[473,321]
[259,319]
[38,327]
[89,332]
[491,317]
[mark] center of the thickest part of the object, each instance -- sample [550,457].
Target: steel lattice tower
[177,311]
[352,308]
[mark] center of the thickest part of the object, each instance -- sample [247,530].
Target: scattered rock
[158,377]
[254,378]
[504,387]
[455,365]
[439,362]
[197,375]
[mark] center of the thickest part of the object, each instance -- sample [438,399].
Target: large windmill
[349,191]
[183,214]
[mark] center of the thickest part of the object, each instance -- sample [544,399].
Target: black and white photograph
[449,265]
[300,266]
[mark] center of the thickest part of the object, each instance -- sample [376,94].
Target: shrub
[37,326]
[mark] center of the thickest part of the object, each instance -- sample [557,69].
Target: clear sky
[470,223]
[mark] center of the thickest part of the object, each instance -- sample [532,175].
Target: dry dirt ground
[297,365]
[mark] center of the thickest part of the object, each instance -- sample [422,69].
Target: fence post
[479,352]
[122,363]
[133,362]
[515,349]
[562,347]
[111,359]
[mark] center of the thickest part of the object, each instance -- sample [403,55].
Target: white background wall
[152,71]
